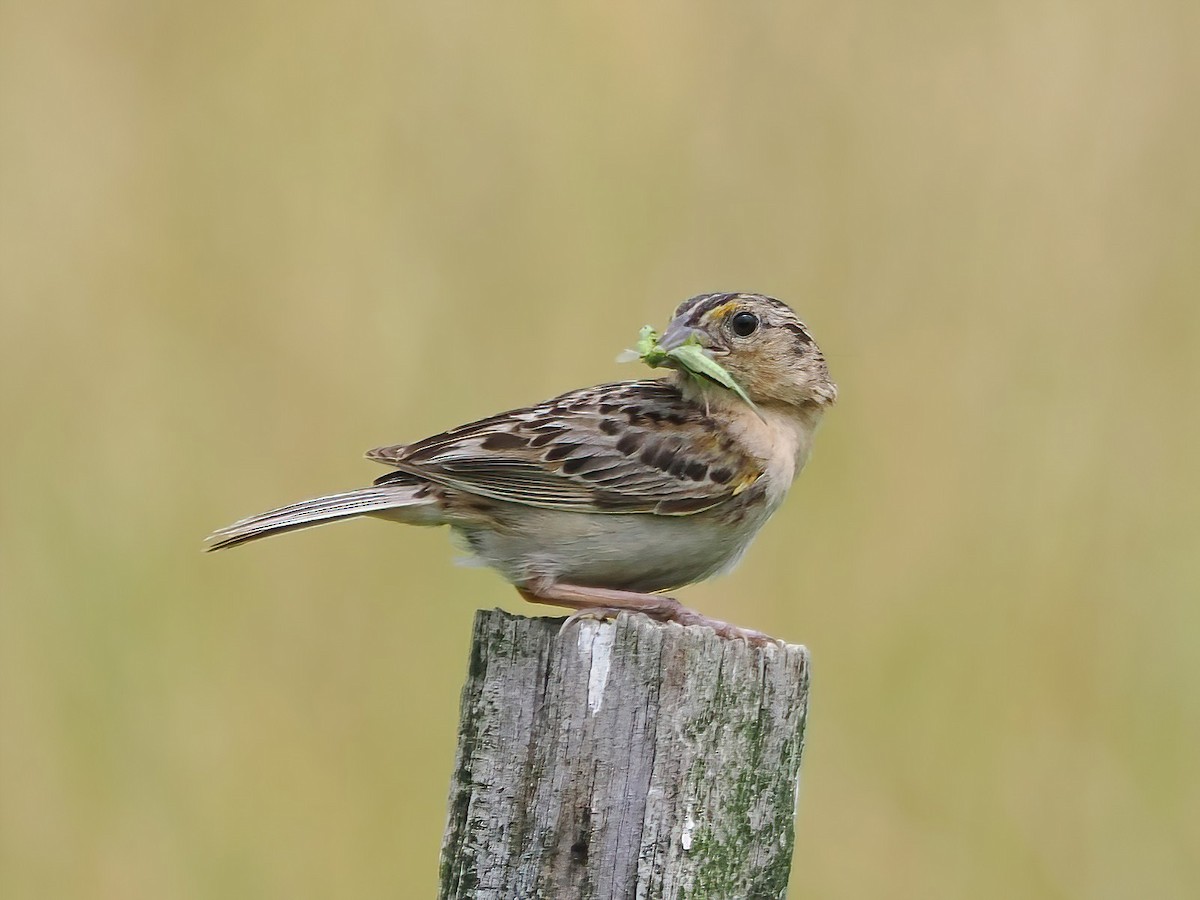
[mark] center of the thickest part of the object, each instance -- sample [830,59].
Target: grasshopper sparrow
[600,498]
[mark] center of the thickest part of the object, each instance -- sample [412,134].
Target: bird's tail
[322,510]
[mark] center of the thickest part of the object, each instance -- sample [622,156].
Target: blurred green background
[241,243]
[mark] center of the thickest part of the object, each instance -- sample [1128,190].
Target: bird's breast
[780,439]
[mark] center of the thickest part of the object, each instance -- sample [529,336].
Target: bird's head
[760,342]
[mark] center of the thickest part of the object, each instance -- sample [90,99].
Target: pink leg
[605,603]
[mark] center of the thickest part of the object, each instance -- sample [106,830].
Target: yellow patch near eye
[721,311]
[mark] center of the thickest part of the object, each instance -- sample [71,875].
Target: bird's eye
[745,324]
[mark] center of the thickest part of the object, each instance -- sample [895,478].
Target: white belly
[626,552]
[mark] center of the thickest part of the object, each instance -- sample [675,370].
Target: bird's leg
[606,603]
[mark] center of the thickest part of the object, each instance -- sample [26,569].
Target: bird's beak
[678,334]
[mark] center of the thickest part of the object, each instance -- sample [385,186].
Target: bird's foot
[606,603]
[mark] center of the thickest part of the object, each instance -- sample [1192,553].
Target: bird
[603,499]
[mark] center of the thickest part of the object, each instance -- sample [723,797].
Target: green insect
[690,357]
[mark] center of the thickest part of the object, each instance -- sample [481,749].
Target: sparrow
[601,499]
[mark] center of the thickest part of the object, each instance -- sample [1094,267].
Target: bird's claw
[681,616]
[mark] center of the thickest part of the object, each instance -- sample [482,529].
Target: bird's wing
[627,447]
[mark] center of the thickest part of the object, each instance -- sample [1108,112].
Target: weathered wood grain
[626,759]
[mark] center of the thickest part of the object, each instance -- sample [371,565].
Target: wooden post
[623,759]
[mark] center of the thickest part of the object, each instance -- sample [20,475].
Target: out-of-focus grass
[240,243]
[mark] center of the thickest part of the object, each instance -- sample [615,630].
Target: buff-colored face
[760,342]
